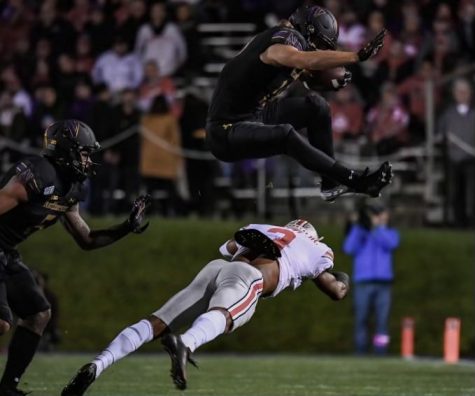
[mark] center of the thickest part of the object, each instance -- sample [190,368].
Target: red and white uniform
[303,256]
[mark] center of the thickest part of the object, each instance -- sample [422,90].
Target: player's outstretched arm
[289,56]
[11,195]
[334,284]
[89,239]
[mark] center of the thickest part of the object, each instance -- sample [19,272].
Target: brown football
[323,80]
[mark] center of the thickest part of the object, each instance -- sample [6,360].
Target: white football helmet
[303,226]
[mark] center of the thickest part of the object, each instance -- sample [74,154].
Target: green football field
[272,375]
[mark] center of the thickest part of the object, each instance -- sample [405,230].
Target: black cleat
[257,242]
[180,354]
[81,381]
[372,183]
[7,391]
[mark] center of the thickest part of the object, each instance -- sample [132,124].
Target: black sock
[343,175]
[21,350]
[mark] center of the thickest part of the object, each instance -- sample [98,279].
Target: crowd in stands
[115,64]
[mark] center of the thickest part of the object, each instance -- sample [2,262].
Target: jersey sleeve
[325,262]
[291,37]
[35,176]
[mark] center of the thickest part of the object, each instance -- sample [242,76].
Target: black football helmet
[317,25]
[63,143]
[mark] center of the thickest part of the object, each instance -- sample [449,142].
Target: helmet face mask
[317,25]
[69,144]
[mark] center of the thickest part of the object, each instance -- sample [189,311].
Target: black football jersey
[246,84]
[50,196]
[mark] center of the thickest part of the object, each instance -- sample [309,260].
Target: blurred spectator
[347,115]
[457,124]
[352,32]
[412,35]
[78,15]
[118,68]
[136,18]
[107,176]
[161,41]
[16,19]
[84,59]
[54,28]
[466,29]
[66,78]
[13,84]
[126,119]
[160,165]
[13,125]
[48,109]
[82,103]
[154,85]
[388,121]
[185,19]
[371,244]
[413,94]
[397,67]
[200,172]
[100,29]
[213,11]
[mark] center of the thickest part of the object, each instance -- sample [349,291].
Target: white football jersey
[303,257]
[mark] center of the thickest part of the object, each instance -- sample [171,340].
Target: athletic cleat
[81,381]
[6,391]
[331,194]
[180,354]
[257,242]
[372,183]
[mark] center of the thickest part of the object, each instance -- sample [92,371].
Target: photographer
[371,244]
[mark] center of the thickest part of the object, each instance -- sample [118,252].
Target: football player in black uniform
[247,120]
[34,194]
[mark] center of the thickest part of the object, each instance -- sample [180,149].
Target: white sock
[204,329]
[128,341]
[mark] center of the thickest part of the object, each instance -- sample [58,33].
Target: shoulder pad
[288,36]
[37,174]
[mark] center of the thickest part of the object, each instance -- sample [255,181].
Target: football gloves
[342,82]
[373,47]
[137,214]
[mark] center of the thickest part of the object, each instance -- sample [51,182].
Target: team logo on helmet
[317,25]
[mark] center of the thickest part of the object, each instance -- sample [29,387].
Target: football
[323,80]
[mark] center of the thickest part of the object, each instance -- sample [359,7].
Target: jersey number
[283,241]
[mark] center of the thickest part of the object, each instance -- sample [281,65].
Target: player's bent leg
[126,342]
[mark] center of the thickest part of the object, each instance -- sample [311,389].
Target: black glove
[342,82]
[137,214]
[373,47]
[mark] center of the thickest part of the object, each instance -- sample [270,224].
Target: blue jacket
[372,252]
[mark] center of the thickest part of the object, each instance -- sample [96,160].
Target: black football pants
[275,132]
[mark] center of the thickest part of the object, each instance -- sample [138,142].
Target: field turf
[270,375]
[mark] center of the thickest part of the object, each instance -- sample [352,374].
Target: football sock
[21,350]
[204,329]
[128,341]
[343,175]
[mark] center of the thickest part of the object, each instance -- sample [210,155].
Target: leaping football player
[263,261]
[34,194]
[246,118]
